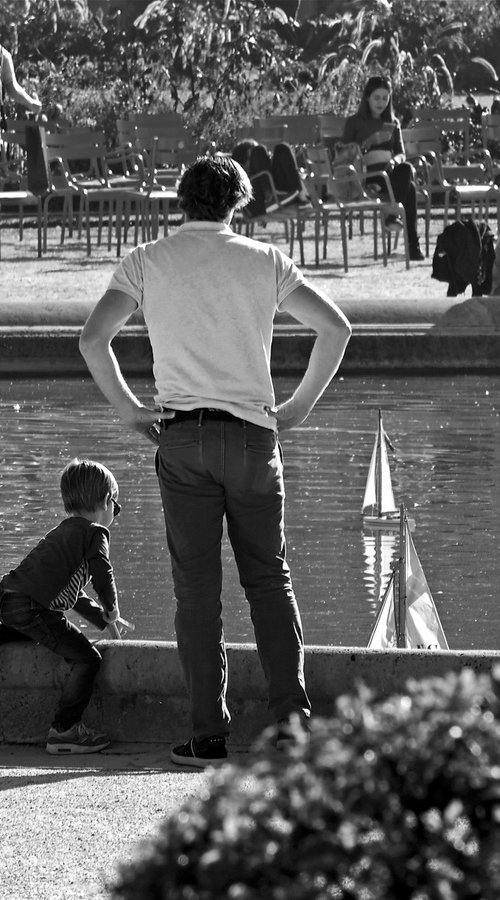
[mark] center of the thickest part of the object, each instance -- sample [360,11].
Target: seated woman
[283,168]
[378,132]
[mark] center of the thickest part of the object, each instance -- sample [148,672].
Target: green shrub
[396,799]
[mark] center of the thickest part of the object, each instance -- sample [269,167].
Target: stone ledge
[140,693]
[53,351]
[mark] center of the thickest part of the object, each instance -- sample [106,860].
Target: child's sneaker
[200,754]
[77,739]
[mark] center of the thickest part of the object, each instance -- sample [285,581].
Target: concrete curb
[140,694]
[53,351]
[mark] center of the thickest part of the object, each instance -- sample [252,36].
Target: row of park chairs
[139,176]
[462,178]
[87,183]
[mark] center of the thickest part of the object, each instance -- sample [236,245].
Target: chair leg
[39,228]
[405,238]
[291,231]
[87,223]
[119,213]
[46,204]
[300,236]
[343,231]
[427,228]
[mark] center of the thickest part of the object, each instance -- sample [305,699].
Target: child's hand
[111,615]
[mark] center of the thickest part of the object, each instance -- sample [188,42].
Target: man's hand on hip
[147,421]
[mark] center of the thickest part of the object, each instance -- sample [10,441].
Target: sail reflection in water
[379,550]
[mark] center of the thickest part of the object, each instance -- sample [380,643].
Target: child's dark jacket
[55,572]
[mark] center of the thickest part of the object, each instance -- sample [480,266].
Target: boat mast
[378,470]
[401,603]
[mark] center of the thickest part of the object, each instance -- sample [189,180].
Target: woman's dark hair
[213,186]
[376,83]
[85,484]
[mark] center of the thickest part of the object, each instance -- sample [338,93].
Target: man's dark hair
[212,186]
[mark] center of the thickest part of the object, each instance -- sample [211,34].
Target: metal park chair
[335,206]
[460,185]
[293,215]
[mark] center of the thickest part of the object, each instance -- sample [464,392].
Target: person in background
[50,580]
[378,132]
[11,86]
[209,298]
[281,164]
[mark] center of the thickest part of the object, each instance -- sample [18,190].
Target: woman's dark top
[374,134]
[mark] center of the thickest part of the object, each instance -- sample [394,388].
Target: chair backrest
[490,133]
[173,146]
[269,133]
[331,128]
[319,161]
[84,154]
[451,121]
[243,133]
[421,139]
[346,185]
[126,130]
[423,142]
[300,128]
[319,167]
[157,120]
[16,132]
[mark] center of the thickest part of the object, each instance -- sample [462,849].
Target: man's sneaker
[77,739]
[200,754]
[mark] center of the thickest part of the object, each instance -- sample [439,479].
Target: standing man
[209,297]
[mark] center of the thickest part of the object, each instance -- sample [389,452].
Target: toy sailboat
[407,616]
[379,507]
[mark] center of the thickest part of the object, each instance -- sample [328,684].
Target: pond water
[446,469]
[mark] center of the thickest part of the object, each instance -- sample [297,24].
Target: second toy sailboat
[379,507]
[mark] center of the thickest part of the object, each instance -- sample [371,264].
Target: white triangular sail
[379,497]
[423,625]
[383,633]
[408,600]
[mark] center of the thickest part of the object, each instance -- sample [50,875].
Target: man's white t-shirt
[209,297]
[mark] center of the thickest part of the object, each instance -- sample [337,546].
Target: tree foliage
[224,62]
[388,799]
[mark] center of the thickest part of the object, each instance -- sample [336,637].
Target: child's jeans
[53,630]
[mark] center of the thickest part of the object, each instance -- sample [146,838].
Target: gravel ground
[65,824]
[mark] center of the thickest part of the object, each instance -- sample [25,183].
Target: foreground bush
[391,800]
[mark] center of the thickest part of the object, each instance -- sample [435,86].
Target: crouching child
[50,580]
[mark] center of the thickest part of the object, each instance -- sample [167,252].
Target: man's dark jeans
[53,630]
[209,469]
